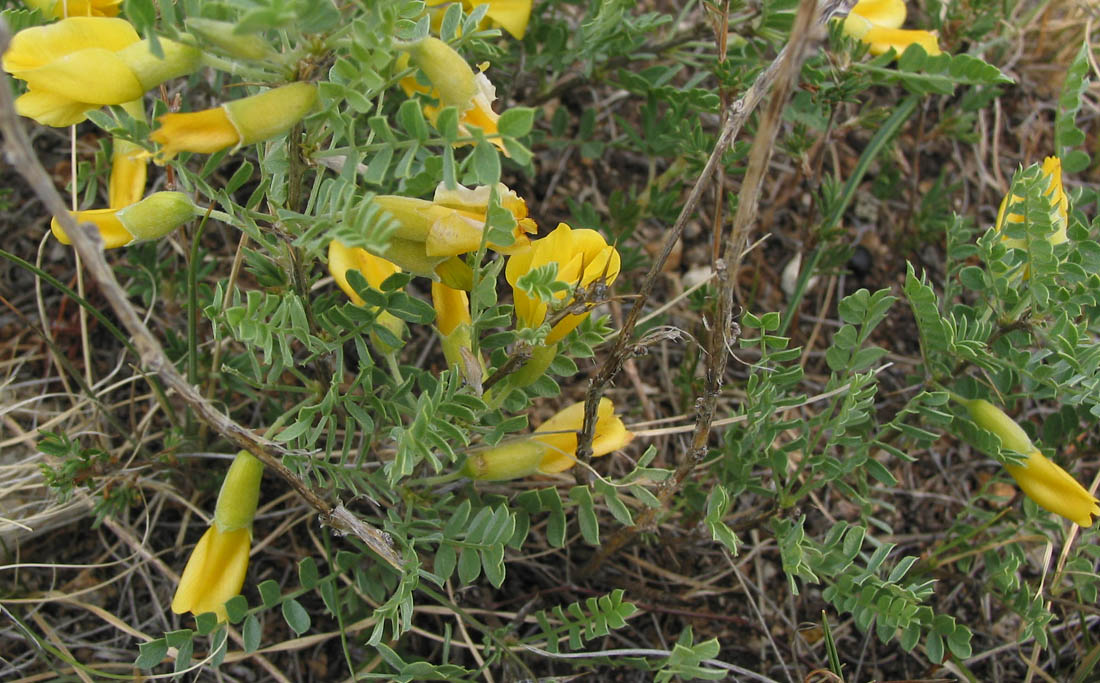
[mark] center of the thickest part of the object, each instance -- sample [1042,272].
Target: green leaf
[1067,136]
[236,608]
[250,633]
[270,593]
[151,653]
[516,121]
[307,573]
[469,565]
[486,163]
[586,514]
[411,118]
[297,618]
[205,623]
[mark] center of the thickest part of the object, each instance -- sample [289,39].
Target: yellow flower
[1050,486]
[375,270]
[511,15]
[452,319]
[234,124]
[552,448]
[583,258]
[59,9]
[1053,489]
[128,166]
[1059,203]
[216,569]
[454,84]
[83,63]
[430,233]
[452,308]
[559,435]
[153,217]
[128,173]
[878,23]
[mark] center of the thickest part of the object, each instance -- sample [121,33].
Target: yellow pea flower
[553,446]
[878,23]
[82,63]
[430,234]
[128,166]
[583,258]
[1059,203]
[454,84]
[60,9]
[216,569]
[152,218]
[375,270]
[1050,486]
[511,15]
[234,124]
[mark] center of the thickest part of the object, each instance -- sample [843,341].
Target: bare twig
[89,246]
[783,72]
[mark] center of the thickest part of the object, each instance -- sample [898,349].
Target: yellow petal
[35,47]
[214,573]
[884,13]
[51,109]
[559,434]
[111,230]
[1053,489]
[374,269]
[448,72]
[128,174]
[204,132]
[452,308]
[512,15]
[414,217]
[1052,169]
[453,234]
[611,435]
[481,114]
[95,75]
[59,9]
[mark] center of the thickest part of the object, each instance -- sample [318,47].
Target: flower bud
[448,72]
[234,124]
[153,217]
[993,419]
[508,461]
[240,493]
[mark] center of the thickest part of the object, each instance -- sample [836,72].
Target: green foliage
[374,418]
[578,623]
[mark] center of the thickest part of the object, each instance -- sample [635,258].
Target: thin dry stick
[90,248]
[784,70]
